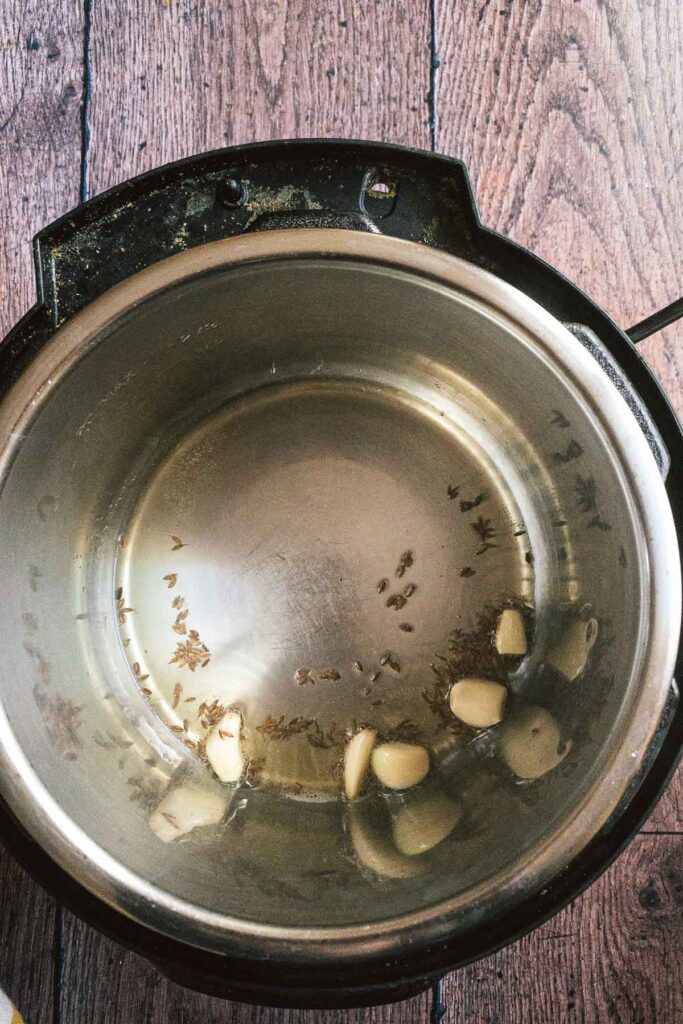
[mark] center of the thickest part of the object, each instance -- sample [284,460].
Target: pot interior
[261,446]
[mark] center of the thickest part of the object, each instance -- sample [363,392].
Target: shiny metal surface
[292,504]
[272,421]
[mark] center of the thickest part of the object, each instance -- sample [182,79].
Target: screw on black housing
[231,193]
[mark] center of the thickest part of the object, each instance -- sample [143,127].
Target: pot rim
[121,888]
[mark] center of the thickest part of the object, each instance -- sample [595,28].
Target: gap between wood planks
[58,965]
[432,98]
[85,100]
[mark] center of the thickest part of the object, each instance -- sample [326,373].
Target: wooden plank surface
[613,956]
[569,116]
[29,939]
[171,79]
[40,135]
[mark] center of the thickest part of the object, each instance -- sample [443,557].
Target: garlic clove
[400,765]
[478,702]
[224,748]
[375,851]
[425,823]
[186,807]
[570,654]
[510,634]
[531,744]
[357,761]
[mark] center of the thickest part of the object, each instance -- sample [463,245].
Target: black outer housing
[325,183]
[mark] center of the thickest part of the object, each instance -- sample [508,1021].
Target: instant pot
[286,432]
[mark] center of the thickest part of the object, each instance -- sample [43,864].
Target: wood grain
[614,955]
[175,78]
[105,983]
[41,49]
[569,118]
[28,941]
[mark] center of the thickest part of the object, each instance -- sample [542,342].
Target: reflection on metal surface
[265,428]
[291,504]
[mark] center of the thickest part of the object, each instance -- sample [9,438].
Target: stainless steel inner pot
[261,427]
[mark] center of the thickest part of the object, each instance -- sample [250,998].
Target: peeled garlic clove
[357,761]
[530,743]
[425,823]
[376,852]
[400,765]
[478,702]
[570,654]
[186,807]
[224,748]
[510,634]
